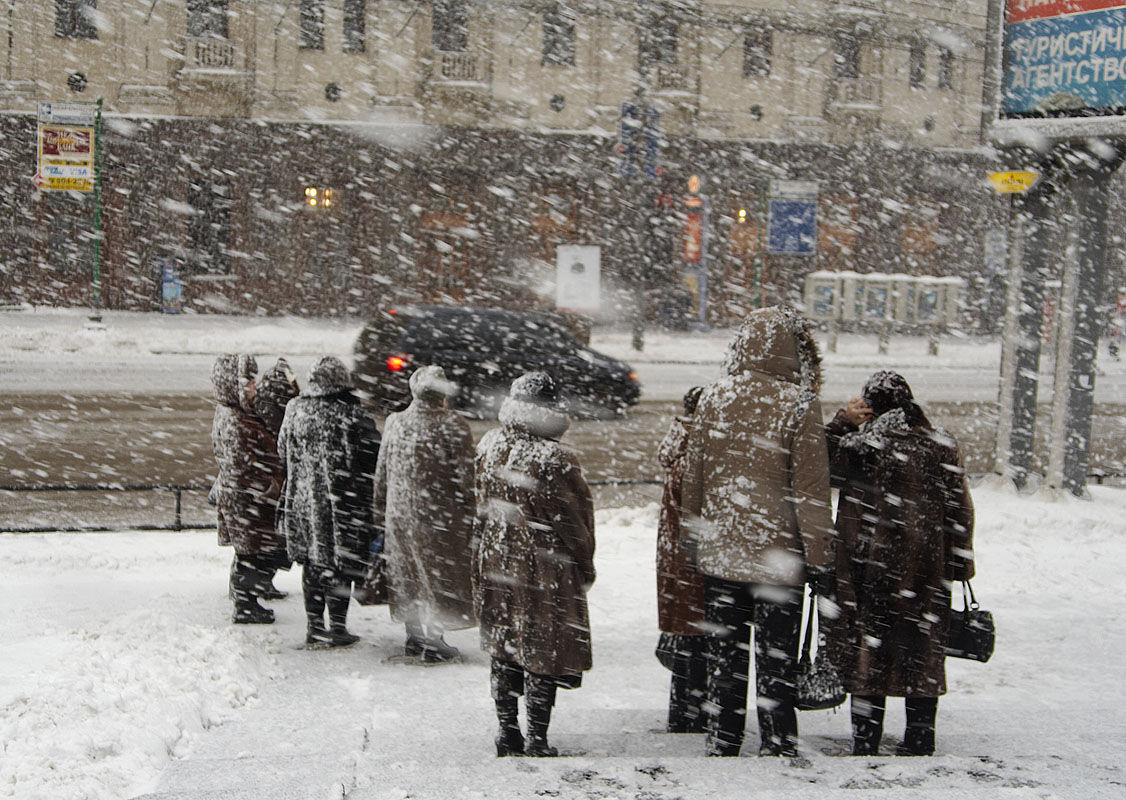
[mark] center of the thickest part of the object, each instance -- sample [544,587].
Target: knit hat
[537,388]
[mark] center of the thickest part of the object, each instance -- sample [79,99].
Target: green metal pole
[760,250]
[97,280]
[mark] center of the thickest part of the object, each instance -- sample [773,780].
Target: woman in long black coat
[247,487]
[329,445]
[905,533]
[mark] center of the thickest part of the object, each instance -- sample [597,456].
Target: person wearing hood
[534,562]
[247,487]
[905,530]
[329,445]
[424,504]
[274,389]
[756,508]
[680,587]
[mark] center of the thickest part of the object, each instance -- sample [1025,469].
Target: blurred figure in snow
[424,504]
[329,445]
[534,562]
[905,532]
[247,487]
[680,587]
[756,504]
[275,388]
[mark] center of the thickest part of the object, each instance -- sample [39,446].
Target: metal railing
[177,489]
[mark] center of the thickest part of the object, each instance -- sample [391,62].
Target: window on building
[917,66]
[74,19]
[660,40]
[450,25]
[558,37]
[207,18]
[312,25]
[758,46]
[945,68]
[355,12]
[846,56]
[209,227]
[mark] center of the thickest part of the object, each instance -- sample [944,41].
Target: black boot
[918,739]
[416,639]
[338,599]
[539,700]
[506,681]
[312,588]
[244,576]
[778,734]
[436,651]
[867,724]
[688,687]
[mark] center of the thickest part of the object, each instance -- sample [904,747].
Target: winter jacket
[250,475]
[905,531]
[756,486]
[680,587]
[535,559]
[329,445]
[424,503]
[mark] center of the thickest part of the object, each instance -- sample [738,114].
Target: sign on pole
[1017,182]
[66,146]
[792,222]
[578,278]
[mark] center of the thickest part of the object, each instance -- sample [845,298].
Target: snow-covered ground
[122,675]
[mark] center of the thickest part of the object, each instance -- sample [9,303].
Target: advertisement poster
[792,224]
[66,147]
[578,278]
[1064,57]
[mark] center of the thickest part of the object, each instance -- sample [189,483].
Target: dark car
[483,351]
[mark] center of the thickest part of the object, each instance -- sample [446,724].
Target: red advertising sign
[693,236]
[1022,10]
[68,142]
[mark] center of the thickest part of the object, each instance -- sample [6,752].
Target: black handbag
[971,634]
[819,683]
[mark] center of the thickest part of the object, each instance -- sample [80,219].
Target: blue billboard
[1064,57]
[792,228]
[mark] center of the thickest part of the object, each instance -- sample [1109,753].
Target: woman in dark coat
[274,389]
[247,487]
[329,445]
[534,562]
[680,588]
[905,527]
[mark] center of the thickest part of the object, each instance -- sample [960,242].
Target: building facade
[331,156]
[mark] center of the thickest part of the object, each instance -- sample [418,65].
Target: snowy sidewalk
[122,677]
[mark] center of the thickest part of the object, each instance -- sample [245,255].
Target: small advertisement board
[66,147]
[578,278]
[792,225]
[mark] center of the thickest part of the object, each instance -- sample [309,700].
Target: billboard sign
[66,147]
[578,278]
[792,224]
[1063,58]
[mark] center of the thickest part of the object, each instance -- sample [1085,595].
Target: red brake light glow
[396,363]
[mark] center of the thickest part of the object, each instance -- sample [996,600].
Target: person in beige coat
[534,563]
[424,502]
[756,505]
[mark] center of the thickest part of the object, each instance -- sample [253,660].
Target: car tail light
[396,362]
[633,377]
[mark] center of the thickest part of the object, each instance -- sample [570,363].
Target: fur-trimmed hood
[229,376]
[776,341]
[328,376]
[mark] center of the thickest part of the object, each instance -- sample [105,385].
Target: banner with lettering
[1064,57]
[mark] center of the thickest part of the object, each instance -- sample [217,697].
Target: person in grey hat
[534,562]
[425,506]
[329,445]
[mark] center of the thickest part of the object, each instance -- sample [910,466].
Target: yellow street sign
[1017,182]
